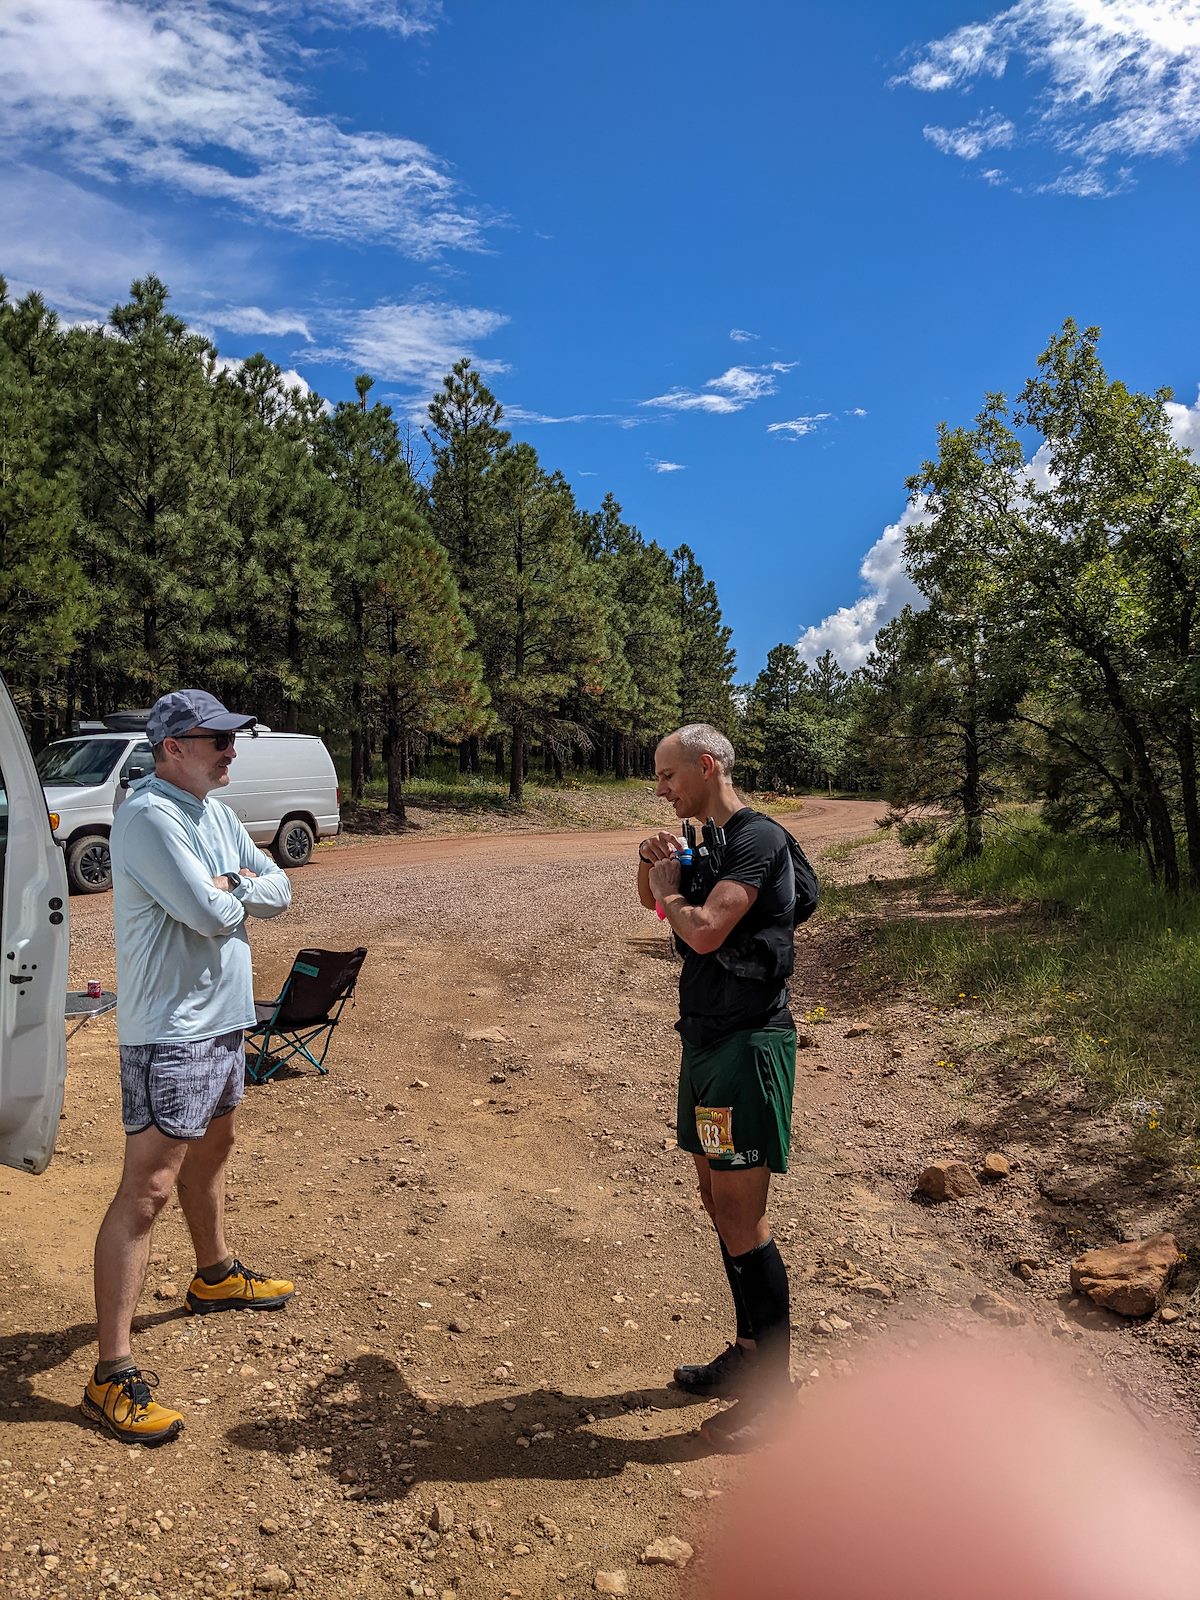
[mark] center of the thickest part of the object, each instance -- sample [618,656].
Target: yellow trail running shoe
[242,1290]
[125,1407]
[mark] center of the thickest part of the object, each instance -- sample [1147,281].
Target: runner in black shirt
[731,913]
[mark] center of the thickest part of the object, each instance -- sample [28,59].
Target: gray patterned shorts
[180,1088]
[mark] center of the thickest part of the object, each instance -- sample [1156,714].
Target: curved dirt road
[817,823]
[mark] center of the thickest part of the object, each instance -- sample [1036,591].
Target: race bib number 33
[714,1126]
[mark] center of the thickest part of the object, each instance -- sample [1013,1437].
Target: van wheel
[294,843]
[89,864]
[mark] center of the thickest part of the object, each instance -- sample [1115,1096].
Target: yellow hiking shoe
[242,1290]
[125,1407]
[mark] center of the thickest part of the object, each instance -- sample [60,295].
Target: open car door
[33,957]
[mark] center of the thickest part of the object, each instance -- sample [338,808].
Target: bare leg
[152,1162]
[739,1207]
[201,1189]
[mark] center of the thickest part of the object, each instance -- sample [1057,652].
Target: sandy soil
[498,1253]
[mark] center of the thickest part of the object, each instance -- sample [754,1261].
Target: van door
[33,957]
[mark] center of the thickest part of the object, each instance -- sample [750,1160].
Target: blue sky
[732,264]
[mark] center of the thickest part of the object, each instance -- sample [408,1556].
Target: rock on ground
[1128,1278]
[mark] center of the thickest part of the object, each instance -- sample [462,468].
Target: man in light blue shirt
[186,876]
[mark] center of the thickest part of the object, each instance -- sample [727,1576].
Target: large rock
[1128,1278]
[667,1552]
[950,1179]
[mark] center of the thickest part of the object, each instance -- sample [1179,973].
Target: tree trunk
[1191,802]
[516,771]
[393,747]
[498,754]
[358,781]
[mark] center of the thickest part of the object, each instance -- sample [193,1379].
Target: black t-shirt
[713,1001]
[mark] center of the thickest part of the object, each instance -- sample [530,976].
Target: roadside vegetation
[444,800]
[1056,954]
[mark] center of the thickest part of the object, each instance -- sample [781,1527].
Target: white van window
[81,763]
[139,763]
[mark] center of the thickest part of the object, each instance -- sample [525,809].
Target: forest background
[166,517]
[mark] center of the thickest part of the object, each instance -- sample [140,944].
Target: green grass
[1089,963]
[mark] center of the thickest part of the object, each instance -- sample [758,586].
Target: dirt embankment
[497,1250]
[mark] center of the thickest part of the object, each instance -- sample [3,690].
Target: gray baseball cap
[184,709]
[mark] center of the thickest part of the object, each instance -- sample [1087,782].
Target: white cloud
[850,631]
[1185,425]
[688,400]
[743,335]
[993,132]
[540,419]
[798,427]
[415,343]
[667,466]
[409,18]
[252,319]
[191,96]
[80,250]
[1119,79]
[734,390]
[856,411]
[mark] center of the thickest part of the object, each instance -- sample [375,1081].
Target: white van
[34,922]
[283,786]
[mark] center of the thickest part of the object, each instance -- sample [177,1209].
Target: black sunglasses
[222,741]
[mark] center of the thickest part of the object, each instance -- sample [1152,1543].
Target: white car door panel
[33,957]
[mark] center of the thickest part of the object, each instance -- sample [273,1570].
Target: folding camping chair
[307,1010]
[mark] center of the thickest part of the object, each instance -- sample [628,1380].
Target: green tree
[541,626]
[152,540]
[44,604]
[706,660]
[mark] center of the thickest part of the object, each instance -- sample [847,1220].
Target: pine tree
[44,605]
[540,623]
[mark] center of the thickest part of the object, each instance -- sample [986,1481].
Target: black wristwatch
[234,880]
[646,861]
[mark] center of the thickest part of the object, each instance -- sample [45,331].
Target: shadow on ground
[366,1428]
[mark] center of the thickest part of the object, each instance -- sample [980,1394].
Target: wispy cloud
[411,19]
[1117,80]
[541,419]
[734,390]
[253,319]
[192,97]
[856,411]
[667,466]
[743,335]
[992,132]
[799,427]
[82,249]
[413,343]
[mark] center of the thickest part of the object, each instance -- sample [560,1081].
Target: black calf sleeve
[764,1285]
[744,1329]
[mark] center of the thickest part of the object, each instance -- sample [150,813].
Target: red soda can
[94,989]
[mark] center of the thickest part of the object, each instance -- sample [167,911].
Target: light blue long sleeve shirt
[184,969]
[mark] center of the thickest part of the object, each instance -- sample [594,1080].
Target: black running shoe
[725,1374]
[743,1427]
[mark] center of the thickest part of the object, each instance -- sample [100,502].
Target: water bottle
[684,858]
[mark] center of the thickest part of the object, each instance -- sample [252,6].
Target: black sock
[107,1370]
[744,1330]
[217,1273]
[764,1285]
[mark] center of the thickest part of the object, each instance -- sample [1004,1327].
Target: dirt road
[498,1254]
